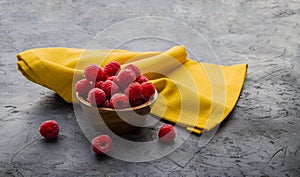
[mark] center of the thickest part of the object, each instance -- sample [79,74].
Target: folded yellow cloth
[195,95]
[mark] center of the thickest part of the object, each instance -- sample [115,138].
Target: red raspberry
[101,144]
[125,77]
[96,96]
[137,102]
[98,84]
[148,89]
[119,101]
[110,88]
[134,91]
[112,68]
[134,68]
[94,73]
[107,104]
[166,133]
[101,75]
[141,79]
[83,87]
[49,129]
[113,78]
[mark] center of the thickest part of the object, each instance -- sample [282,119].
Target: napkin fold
[195,95]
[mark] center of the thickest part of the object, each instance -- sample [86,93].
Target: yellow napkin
[195,95]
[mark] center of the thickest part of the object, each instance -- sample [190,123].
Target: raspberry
[113,78]
[119,101]
[134,68]
[148,89]
[107,104]
[94,73]
[49,129]
[137,102]
[101,144]
[96,96]
[110,88]
[166,133]
[141,79]
[134,91]
[83,87]
[101,75]
[112,68]
[98,84]
[125,77]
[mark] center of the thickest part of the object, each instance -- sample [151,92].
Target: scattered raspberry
[101,144]
[166,133]
[107,104]
[119,101]
[141,79]
[110,88]
[112,68]
[49,129]
[148,89]
[96,96]
[134,91]
[83,87]
[134,68]
[125,77]
[94,73]
[98,84]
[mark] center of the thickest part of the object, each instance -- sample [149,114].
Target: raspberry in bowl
[119,105]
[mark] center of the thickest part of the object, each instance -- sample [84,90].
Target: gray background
[259,138]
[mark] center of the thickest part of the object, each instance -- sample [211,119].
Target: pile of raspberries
[113,87]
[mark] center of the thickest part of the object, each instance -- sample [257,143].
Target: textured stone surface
[259,138]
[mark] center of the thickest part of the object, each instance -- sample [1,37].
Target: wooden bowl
[118,121]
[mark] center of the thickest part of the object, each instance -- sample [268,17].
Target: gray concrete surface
[259,138]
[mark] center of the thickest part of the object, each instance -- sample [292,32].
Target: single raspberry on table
[148,89]
[94,73]
[166,133]
[110,88]
[141,79]
[98,84]
[125,77]
[83,87]
[134,68]
[134,91]
[101,144]
[49,129]
[119,101]
[96,97]
[112,68]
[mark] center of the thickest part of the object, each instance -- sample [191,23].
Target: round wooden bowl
[118,121]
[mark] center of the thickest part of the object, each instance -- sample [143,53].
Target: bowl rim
[148,103]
